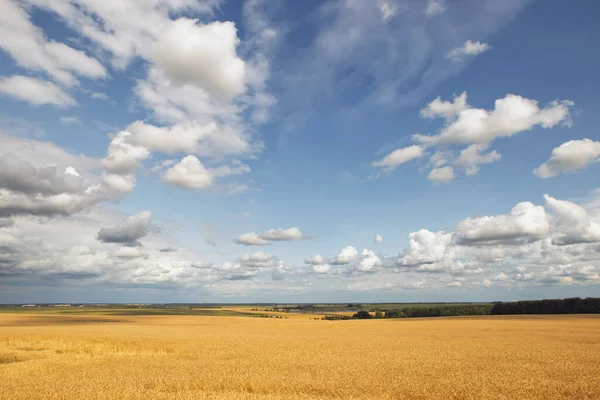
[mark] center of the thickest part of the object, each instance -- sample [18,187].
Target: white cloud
[283,234]
[347,255]
[202,54]
[192,137]
[469,48]
[122,157]
[196,81]
[445,109]
[316,260]
[369,286]
[442,175]
[574,224]
[125,29]
[99,96]
[321,268]
[129,232]
[35,91]
[511,114]
[471,157]
[236,168]
[39,178]
[524,223]
[399,156]
[70,120]
[257,260]
[72,171]
[272,235]
[435,7]
[68,58]
[121,184]
[18,175]
[189,173]
[128,252]
[251,239]
[378,239]
[41,154]
[478,128]
[569,157]
[202,264]
[387,8]
[26,44]
[68,248]
[369,262]
[426,247]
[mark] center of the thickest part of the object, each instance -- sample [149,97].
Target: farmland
[65,355]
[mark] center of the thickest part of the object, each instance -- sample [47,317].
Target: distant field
[94,356]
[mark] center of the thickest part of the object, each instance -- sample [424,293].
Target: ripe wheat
[182,357]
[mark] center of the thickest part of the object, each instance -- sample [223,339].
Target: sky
[298,151]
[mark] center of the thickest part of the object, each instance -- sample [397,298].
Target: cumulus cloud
[40,178]
[19,175]
[574,224]
[355,262]
[426,247]
[129,232]
[251,239]
[321,268]
[207,140]
[442,174]
[398,157]
[315,260]
[196,82]
[347,255]
[67,248]
[202,54]
[469,48]
[47,191]
[27,45]
[189,173]
[478,128]
[122,157]
[525,222]
[369,262]
[129,252]
[35,91]
[435,7]
[257,260]
[283,234]
[445,109]
[511,114]
[569,157]
[471,157]
[378,239]
[272,235]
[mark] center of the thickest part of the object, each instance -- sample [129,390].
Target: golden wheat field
[191,357]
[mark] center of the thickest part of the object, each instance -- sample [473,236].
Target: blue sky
[206,151]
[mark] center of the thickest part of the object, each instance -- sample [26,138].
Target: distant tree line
[573,305]
[358,315]
[442,310]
